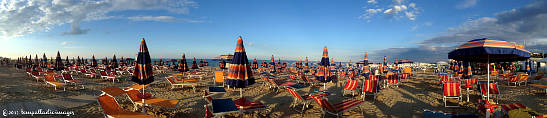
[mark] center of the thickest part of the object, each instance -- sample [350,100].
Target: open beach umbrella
[324,76]
[59,62]
[93,61]
[240,74]
[194,64]
[489,50]
[272,65]
[255,64]
[183,66]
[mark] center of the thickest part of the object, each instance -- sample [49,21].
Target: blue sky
[288,29]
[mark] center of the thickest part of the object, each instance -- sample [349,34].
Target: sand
[408,100]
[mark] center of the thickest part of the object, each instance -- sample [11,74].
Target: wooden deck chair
[67,78]
[371,87]
[336,109]
[50,79]
[494,91]
[219,78]
[160,102]
[351,85]
[111,109]
[451,90]
[173,83]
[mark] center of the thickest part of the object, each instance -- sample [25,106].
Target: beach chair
[219,77]
[88,73]
[173,83]
[111,109]
[36,75]
[50,79]
[29,71]
[513,79]
[494,91]
[136,87]
[539,86]
[244,104]
[351,85]
[310,81]
[371,87]
[67,78]
[304,100]
[159,102]
[451,90]
[104,75]
[405,76]
[523,79]
[336,109]
[393,80]
[469,83]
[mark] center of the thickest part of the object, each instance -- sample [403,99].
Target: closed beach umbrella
[114,62]
[272,65]
[240,74]
[489,50]
[183,66]
[143,73]
[93,61]
[255,64]
[222,64]
[324,74]
[36,61]
[59,62]
[366,68]
[194,64]
[44,61]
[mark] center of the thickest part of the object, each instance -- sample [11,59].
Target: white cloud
[162,19]
[19,18]
[397,9]
[372,1]
[467,4]
[428,23]
[64,43]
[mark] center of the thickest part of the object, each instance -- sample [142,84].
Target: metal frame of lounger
[339,112]
[374,90]
[101,108]
[351,85]
[72,82]
[135,103]
[52,82]
[173,84]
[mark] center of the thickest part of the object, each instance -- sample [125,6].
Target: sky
[423,31]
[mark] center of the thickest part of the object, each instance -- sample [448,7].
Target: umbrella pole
[143,103]
[488,85]
[240,92]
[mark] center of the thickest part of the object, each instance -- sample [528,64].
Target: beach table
[223,106]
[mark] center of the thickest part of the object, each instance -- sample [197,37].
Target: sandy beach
[18,91]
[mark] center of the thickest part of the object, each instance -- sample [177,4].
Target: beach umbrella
[93,61]
[384,65]
[122,62]
[366,67]
[324,76]
[183,66]
[489,50]
[44,61]
[59,62]
[78,61]
[201,63]
[114,62]
[222,64]
[264,64]
[240,74]
[36,61]
[255,64]
[272,65]
[194,64]
[143,73]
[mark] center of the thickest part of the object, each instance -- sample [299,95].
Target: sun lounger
[36,75]
[67,78]
[451,90]
[351,85]
[164,103]
[540,86]
[523,79]
[393,80]
[494,91]
[336,109]
[244,104]
[104,75]
[513,79]
[112,109]
[50,79]
[173,83]
[304,100]
[136,87]
[371,87]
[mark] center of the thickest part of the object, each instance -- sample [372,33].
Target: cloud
[162,19]
[372,1]
[466,4]
[522,25]
[396,9]
[24,17]
[64,43]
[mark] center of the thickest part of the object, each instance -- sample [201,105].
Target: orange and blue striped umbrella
[114,62]
[222,64]
[240,74]
[59,62]
[272,65]
[93,61]
[324,75]
[255,64]
[486,49]
[194,64]
[366,68]
[183,67]
[143,68]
